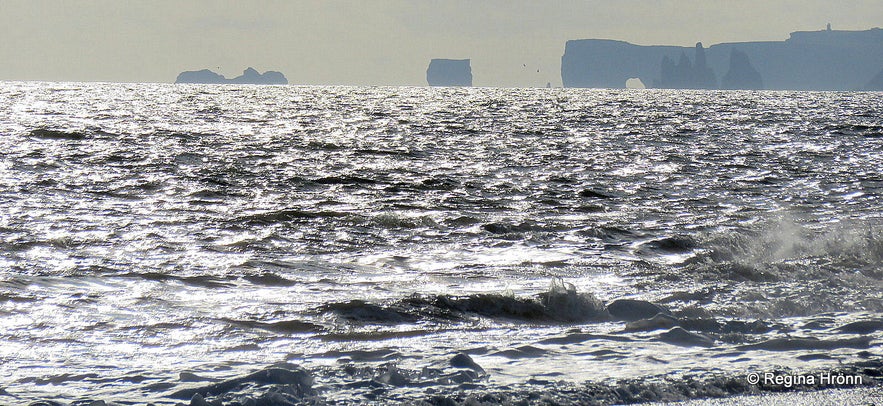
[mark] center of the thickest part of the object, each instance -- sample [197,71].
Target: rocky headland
[807,60]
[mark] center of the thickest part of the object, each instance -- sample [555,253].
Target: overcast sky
[382,42]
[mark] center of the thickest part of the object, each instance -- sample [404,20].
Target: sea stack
[741,75]
[449,72]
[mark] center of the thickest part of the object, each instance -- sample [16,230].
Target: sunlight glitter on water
[157,229]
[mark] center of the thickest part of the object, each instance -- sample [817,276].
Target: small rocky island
[449,72]
[249,77]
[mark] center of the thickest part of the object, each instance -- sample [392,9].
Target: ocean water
[281,244]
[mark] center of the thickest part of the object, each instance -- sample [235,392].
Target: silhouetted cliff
[249,76]
[876,83]
[741,74]
[609,63]
[703,76]
[817,60]
[200,76]
[449,72]
[687,74]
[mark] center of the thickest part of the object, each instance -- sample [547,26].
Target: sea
[173,244]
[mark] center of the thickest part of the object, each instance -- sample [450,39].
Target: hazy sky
[373,41]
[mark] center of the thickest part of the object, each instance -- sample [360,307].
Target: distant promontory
[249,77]
[449,72]
[808,60]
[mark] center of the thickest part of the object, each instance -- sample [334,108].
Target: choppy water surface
[432,244]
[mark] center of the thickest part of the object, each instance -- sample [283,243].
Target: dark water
[359,244]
